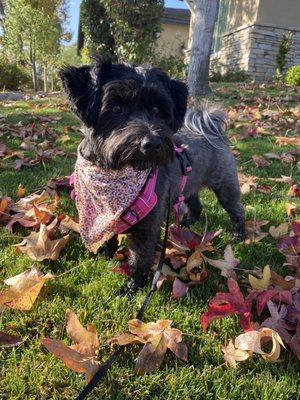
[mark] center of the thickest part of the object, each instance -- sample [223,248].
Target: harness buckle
[185,164]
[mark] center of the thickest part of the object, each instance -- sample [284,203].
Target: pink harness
[147,200]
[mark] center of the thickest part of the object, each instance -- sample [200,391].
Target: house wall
[254,34]
[172,39]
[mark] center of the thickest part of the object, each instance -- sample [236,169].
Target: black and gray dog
[131,116]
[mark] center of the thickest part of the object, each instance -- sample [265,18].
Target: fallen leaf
[158,337]
[225,304]
[280,231]
[287,141]
[264,282]
[260,162]
[254,340]
[80,357]
[7,340]
[226,265]
[277,321]
[295,342]
[254,232]
[25,288]
[294,191]
[67,223]
[180,289]
[21,191]
[232,355]
[38,246]
[264,189]
[278,280]
[247,182]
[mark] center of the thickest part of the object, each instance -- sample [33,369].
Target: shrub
[292,76]
[229,76]
[172,65]
[12,76]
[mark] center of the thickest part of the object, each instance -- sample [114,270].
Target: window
[221,24]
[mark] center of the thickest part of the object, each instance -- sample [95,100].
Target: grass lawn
[91,290]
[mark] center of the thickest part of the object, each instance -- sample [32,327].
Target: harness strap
[186,168]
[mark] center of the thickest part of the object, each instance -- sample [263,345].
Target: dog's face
[130,113]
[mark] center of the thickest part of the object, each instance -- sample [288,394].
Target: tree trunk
[45,78]
[33,68]
[204,18]
[52,82]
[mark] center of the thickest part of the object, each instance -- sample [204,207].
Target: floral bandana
[101,197]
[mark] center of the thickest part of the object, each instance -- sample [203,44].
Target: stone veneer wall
[254,49]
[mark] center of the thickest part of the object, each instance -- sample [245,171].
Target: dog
[132,118]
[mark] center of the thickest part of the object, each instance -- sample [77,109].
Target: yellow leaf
[21,191]
[280,231]
[261,284]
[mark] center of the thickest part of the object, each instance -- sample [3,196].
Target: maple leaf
[38,245]
[247,182]
[179,289]
[232,355]
[226,265]
[277,295]
[294,191]
[225,304]
[295,342]
[261,284]
[25,288]
[80,357]
[260,162]
[254,232]
[279,231]
[253,341]
[277,322]
[157,337]
[7,340]
[67,224]
[278,280]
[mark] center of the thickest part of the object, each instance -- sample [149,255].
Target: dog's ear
[83,87]
[179,94]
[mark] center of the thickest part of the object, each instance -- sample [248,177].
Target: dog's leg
[142,242]
[110,247]
[230,199]
[194,210]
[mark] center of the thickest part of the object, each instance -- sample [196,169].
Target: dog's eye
[155,110]
[117,110]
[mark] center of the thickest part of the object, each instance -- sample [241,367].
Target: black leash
[102,371]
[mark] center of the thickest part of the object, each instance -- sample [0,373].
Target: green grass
[29,372]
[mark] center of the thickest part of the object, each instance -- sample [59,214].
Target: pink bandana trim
[101,197]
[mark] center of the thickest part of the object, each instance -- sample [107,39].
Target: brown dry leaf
[80,357]
[7,340]
[291,210]
[260,162]
[67,223]
[232,355]
[21,191]
[278,280]
[246,182]
[254,232]
[264,282]
[157,338]
[38,245]
[86,340]
[25,288]
[280,231]
[287,141]
[253,341]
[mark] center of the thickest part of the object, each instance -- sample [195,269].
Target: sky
[74,14]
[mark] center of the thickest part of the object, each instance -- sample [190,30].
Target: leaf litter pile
[268,307]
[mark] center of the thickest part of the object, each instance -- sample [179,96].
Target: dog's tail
[210,121]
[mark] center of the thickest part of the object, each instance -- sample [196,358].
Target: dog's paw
[239,235]
[130,289]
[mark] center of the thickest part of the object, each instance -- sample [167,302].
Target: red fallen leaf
[260,162]
[277,295]
[184,238]
[180,289]
[264,189]
[225,304]
[277,322]
[55,184]
[294,191]
[122,269]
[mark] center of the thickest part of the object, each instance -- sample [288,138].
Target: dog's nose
[151,144]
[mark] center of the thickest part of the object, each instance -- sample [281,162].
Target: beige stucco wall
[279,13]
[172,38]
[241,13]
